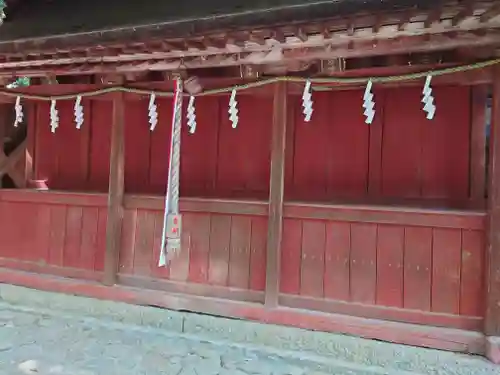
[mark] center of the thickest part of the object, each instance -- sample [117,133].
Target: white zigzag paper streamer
[307,102]
[233,109]
[152,112]
[191,115]
[19,112]
[78,112]
[428,99]
[54,117]
[368,103]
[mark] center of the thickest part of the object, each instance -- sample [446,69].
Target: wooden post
[27,160]
[116,191]
[276,192]
[492,316]
[3,131]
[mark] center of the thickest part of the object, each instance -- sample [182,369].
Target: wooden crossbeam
[490,13]
[9,163]
[465,12]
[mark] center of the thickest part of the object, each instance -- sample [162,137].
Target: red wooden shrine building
[387,231]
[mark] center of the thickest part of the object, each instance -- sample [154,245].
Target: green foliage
[20,82]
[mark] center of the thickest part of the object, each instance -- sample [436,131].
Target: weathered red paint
[411,265]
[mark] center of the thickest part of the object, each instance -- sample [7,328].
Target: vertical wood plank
[57,234]
[129,231]
[159,272]
[102,219]
[72,243]
[417,268]
[446,260]
[179,265]
[337,260]
[492,318]
[363,263]
[116,191]
[390,250]
[71,150]
[402,144]
[471,284]
[239,260]
[276,194]
[144,242]
[42,232]
[375,147]
[240,170]
[309,162]
[199,151]
[160,148]
[313,258]
[258,254]
[445,145]
[100,144]
[199,251]
[89,237]
[46,157]
[291,256]
[478,143]
[10,231]
[345,129]
[138,146]
[220,234]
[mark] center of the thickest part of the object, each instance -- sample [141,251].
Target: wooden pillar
[492,316]
[3,131]
[276,192]
[116,191]
[27,159]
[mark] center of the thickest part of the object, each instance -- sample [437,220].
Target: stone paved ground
[47,341]
[36,343]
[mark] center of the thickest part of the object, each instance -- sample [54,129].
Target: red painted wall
[403,266]
[335,156]
[431,269]
[49,234]
[222,250]
[72,159]
[401,155]
[215,161]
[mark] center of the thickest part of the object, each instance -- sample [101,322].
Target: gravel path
[40,342]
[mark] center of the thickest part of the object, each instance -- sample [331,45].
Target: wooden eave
[472,25]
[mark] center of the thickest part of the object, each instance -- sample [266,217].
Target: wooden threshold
[469,323]
[401,333]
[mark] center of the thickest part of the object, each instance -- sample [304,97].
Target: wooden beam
[3,131]
[276,194]
[466,11]
[491,13]
[317,50]
[116,191]
[492,316]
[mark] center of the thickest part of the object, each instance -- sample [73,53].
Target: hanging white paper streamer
[54,117]
[19,112]
[78,112]
[153,113]
[368,103]
[428,99]
[307,103]
[191,115]
[233,110]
